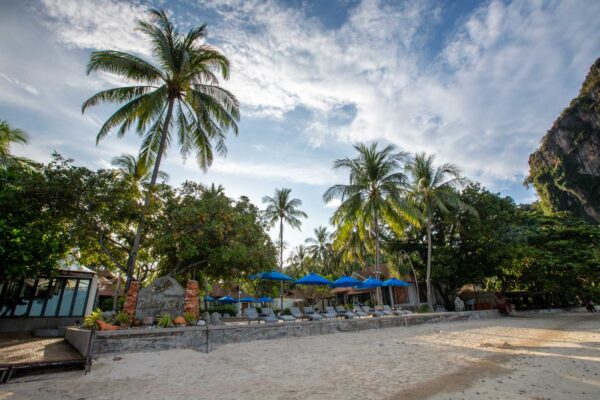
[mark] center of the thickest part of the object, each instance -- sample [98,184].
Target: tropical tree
[431,190]
[320,249]
[136,168]
[373,194]
[179,93]
[281,209]
[299,261]
[8,136]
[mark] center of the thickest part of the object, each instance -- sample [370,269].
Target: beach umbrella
[247,300]
[209,298]
[227,300]
[394,282]
[265,300]
[345,282]
[313,279]
[370,284]
[273,276]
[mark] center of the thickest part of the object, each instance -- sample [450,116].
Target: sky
[476,83]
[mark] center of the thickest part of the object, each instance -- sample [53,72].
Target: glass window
[22,297]
[8,301]
[82,295]
[67,298]
[53,297]
[39,297]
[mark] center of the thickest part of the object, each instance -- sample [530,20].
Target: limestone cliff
[565,170]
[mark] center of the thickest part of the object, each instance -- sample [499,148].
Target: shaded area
[18,348]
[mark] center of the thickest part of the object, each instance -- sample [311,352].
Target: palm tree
[8,136]
[299,261]
[282,209]
[178,92]
[319,247]
[137,169]
[373,194]
[432,189]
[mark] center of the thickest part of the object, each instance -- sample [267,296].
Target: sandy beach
[534,356]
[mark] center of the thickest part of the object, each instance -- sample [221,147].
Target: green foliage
[190,318]
[122,317]
[92,319]
[223,309]
[165,320]
[107,303]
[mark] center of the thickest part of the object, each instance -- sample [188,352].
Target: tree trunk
[140,228]
[429,289]
[281,263]
[377,271]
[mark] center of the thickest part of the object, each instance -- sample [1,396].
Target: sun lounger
[310,313]
[359,312]
[252,315]
[287,318]
[342,312]
[371,311]
[296,313]
[330,313]
[269,316]
[387,310]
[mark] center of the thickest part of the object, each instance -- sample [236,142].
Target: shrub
[165,320]
[222,309]
[122,317]
[287,311]
[93,318]
[190,318]
[106,304]
[423,308]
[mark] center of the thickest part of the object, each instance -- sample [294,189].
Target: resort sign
[164,295]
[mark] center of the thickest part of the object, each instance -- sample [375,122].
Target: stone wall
[78,338]
[206,339]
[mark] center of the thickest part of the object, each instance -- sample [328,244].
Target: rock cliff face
[565,170]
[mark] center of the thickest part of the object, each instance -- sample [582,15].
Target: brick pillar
[191,302]
[131,300]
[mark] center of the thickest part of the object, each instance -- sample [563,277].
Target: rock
[104,326]
[179,321]
[206,317]
[565,170]
[215,318]
[201,322]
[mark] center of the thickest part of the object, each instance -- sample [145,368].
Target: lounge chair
[252,315]
[387,310]
[371,311]
[269,316]
[310,313]
[330,313]
[359,312]
[342,312]
[296,313]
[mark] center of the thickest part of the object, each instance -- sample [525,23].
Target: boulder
[215,318]
[206,317]
[201,322]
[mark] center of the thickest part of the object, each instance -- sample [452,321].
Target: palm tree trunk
[429,291]
[377,272]
[140,228]
[281,263]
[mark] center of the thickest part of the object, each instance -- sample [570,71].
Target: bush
[106,304]
[93,318]
[190,318]
[222,309]
[287,311]
[423,309]
[122,317]
[165,320]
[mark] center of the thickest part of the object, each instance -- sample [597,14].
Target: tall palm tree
[320,249]
[138,169]
[299,261]
[178,92]
[373,194]
[282,209]
[432,189]
[8,136]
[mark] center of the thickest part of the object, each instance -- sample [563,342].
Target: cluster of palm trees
[387,191]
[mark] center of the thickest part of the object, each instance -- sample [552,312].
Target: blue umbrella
[370,284]
[395,282]
[209,298]
[345,282]
[271,276]
[313,279]
[265,300]
[227,300]
[248,300]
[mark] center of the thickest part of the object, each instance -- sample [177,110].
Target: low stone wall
[206,339]
[78,338]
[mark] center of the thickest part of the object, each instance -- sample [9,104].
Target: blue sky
[478,83]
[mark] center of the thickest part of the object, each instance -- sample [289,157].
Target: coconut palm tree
[373,194]
[283,210]
[299,261]
[319,247]
[178,93]
[8,136]
[138,169]
[432,189]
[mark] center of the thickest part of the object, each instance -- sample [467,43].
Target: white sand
[523,357]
